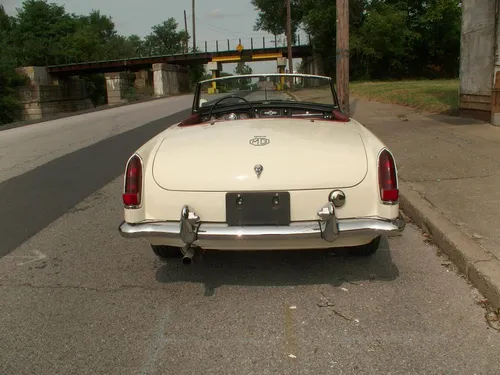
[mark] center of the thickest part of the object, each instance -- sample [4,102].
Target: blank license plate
[260,208]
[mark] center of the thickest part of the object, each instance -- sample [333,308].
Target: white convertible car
[265,162]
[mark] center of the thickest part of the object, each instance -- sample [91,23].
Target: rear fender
[146,153]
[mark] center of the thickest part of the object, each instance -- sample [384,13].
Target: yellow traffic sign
[239,48]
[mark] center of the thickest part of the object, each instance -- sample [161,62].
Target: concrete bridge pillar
[144,82]
[281,64]
[116,87]
[314,64]
[215,67]
[46,95]
[169,79]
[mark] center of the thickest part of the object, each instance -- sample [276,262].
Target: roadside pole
[186,31]
[194,27]
[289,38]
[342,41]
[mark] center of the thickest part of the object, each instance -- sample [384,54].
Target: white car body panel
[301,155]
[195,166]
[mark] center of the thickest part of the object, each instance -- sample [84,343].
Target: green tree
[38,30]
[272,16]
[136,45]
[44,33]
[241,69]
[165,38]
[94,38]
[196,74]
[439,46]
[388,38]
[5,20]
[384,43]
[102,26]
[9,80]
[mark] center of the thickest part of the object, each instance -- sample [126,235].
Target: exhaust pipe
[187,259]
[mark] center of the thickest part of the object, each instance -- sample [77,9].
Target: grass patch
[435,96]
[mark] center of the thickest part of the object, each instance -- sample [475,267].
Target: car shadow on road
[280,268]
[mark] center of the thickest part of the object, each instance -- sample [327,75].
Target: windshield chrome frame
[196,104]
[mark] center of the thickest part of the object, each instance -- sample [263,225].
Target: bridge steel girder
[140,63]
[253,57]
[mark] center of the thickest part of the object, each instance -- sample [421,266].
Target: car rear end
[345,200]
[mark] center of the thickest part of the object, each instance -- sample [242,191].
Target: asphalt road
[76,298]
[26,148]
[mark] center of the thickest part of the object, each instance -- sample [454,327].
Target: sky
[215,20]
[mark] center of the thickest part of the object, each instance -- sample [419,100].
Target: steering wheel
[227,97]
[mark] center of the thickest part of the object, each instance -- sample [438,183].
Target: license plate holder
[258,208]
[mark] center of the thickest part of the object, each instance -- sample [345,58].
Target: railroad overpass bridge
[265,53]
[57,87]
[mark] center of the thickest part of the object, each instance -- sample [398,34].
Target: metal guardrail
[247,43]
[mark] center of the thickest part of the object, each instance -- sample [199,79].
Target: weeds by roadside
[435,96]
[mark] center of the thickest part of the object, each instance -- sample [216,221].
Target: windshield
[266,88]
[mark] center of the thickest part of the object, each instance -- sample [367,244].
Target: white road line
[157,345]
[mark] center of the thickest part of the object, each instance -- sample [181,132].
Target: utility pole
[289,37]
[186,31]
[342,42]
[194,30]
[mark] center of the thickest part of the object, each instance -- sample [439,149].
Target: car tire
[167,252]
[367,249]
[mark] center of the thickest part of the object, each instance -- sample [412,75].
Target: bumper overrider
[190,230]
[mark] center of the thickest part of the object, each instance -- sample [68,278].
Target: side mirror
[203,101]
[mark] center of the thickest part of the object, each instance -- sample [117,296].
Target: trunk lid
[295,155]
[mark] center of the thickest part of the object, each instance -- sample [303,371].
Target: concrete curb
[479,267]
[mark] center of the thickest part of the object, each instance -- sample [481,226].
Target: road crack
[328,303]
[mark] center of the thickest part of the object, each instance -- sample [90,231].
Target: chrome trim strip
[302,230]
[292,232]
[253,75]
[307,114]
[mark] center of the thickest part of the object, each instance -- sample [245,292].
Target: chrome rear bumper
[191,231]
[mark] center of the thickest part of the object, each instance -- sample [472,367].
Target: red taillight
[339,116]
[387,178]
[133,182]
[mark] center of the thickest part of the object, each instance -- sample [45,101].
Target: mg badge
[259,141]
[258,169]
[271,113]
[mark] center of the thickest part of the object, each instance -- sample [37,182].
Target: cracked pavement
[77,298]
